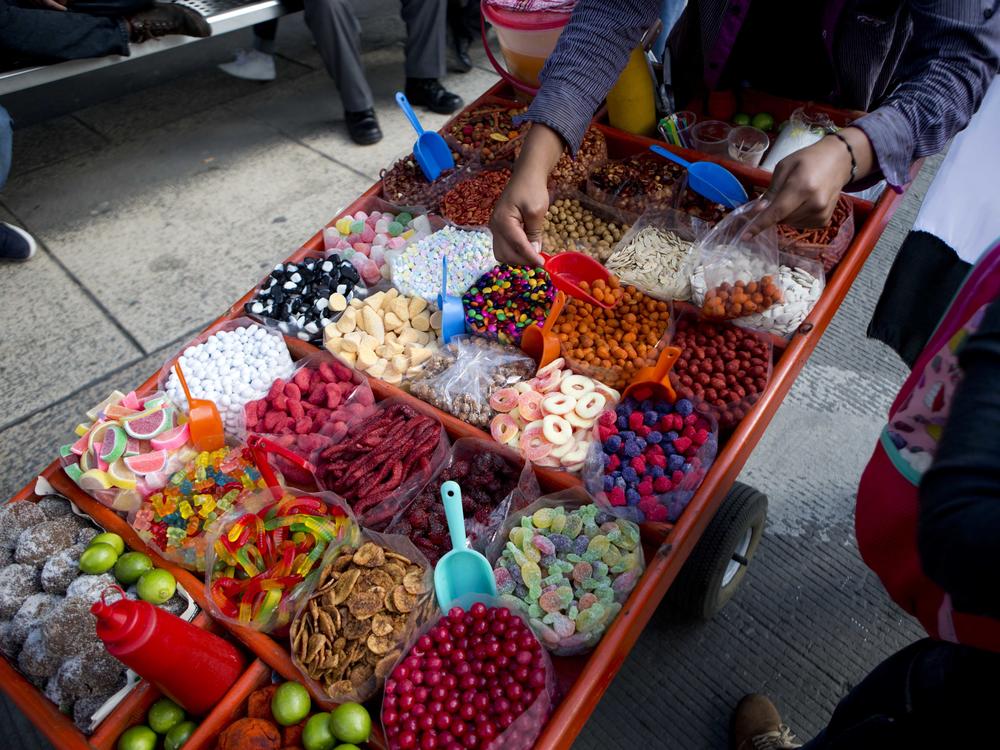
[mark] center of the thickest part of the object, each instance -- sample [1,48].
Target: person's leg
[337,32]
[110,8]
[256,63]
[6,145]
[15,243]
[264,35]
[30,34]
[426,35]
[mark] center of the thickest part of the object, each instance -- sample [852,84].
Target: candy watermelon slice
[120,476]
[74,472]
[114,397]
[113,444]
[86,460]
[80,446]
[153,401]
[148,424]
[132,401]
[95,479]
[147,463]
[102,464]
[172,439]
[117,411]
[133,447]
[66,450]
[96,437]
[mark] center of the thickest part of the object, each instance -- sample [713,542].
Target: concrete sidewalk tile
[184,223]
[55,338]
[48,143]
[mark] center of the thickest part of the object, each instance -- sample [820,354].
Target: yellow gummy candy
[207,507]
[186,510]
[344,225]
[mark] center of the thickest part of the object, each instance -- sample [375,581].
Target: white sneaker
[251,65]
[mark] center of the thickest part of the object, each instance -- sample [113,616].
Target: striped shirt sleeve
[949,62]
[590,55]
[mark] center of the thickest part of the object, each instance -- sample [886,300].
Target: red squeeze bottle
[193,667]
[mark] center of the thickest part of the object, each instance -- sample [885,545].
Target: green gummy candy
[512,601]
[614,535]
[534,592]
[600,569]
[558,523]
[565,594]
[591,618]
[623,566]
[553,580]
[630,534]
[535,611]
[604,595]
[526,523]
[573,558]
[574,612]
[599,545]
[612,557]
[574,525]
[563,566]
[591,583]
[518,556]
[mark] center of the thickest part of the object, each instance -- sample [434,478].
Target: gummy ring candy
[529,405]
[548,461]
[558,403]
[561,450]
[607,391]
[591,405]
[576,385]
[523,386]
[576,420]
[575,456]
[556,429]
[503,428]
[533,444]
[549,381]
[504,400]
[557,364]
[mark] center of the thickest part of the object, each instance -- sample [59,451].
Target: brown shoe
[164,19]
[757,725]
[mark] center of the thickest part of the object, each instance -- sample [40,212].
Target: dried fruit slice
[147,463]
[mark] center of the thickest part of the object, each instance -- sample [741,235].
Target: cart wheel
[719,560]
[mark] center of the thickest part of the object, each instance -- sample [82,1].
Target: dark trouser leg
[26,33]
[929,695]
[463,19]
[337,32]
[110,8]
[425,37]
[263,36]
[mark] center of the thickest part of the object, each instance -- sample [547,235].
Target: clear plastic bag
[379,598]
[404,185]
[248,371]
[722,368]
[130,449]
[826,245]
[487,132]
[656,255]
[177,520]
[800,131]
[493,479]
[416,269]
[461,377]
[739,271]
[637,182]
[571,172]
[679,446]
[594,561]
[257,574]
[330,396]
[523,729]
[577,222]
[801,282]
[384,460]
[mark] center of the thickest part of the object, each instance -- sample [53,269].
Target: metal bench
[222,15]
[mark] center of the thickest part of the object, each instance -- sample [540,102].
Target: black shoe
[428,92]
[164,19]
[363,127]
[463,63]
[16,244]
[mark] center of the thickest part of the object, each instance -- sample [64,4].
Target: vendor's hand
[807,184]
[520,213]
[517,221]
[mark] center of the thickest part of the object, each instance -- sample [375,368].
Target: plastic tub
[526,39]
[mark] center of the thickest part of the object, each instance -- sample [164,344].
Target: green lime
[347,746]
[164,715]
[350,722]
[98,558]
[112,540]
[156,586]
[138,738]
[741,118]
[178,735]
[763,121]
[291,703]
[131,566]
[317,735]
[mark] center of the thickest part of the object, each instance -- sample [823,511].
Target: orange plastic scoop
[539,342]
[204,421]
[567,270]
[654,382]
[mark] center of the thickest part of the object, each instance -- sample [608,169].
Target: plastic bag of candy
[177,519]
[308,412]
[494,480]
[570,565]
[367,609]
[405,186]
[511,721]
[230,364]
[462,377]
[650,457]
[384,460]
[264,556]
[637,182]
[128,448]
[827,244]
[578,223]
[487,132]
[740,272]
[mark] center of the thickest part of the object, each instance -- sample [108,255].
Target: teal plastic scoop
[452,311]
[709,180]
[463,571]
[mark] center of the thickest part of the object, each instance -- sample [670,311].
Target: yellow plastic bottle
[631,106]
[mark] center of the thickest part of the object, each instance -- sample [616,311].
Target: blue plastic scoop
[462,571]
[452,312]
[709,180]
[431,150]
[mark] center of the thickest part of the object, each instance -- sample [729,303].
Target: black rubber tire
[697,591]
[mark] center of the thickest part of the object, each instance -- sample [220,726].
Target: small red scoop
[567,270]
[654,382]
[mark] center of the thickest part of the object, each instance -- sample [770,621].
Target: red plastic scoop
[654,382]
[568,270]
[204,421]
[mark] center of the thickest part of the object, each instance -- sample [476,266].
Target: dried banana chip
[403,600]
[364,604]
[381,624]
[414,583]
[371,577]
[379,644]
[370,555]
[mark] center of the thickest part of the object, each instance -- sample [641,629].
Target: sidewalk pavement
[161,190]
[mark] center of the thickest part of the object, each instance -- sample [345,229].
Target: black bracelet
[850,151]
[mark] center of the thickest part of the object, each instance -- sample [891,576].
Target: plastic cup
[747,145]
[685,120]
[709,137]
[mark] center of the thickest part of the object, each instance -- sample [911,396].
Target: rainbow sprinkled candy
[507,299]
